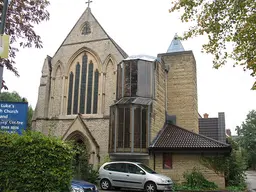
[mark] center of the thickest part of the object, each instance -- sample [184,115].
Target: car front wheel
[105,184]
[150,187]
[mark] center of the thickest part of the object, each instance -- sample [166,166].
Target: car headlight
[163,180]
[77,189]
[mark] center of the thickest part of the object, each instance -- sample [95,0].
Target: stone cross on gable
[88,2]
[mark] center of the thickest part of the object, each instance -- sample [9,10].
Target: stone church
[137,108]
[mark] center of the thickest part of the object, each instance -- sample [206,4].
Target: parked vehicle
[122,174]
[83,186]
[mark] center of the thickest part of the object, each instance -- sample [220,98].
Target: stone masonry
[50,113]
[182,88]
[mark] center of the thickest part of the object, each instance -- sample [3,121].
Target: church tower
[182,105]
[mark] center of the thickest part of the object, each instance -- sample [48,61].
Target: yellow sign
[4,46]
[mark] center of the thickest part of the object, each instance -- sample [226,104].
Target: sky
[139,27]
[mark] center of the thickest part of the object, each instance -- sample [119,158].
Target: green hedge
[34,162]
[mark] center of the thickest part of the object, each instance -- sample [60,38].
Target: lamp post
[2,25]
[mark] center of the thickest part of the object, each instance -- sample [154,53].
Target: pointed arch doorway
[82,150]
[79,133]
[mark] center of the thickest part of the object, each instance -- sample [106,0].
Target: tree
[21,17]
[247,137]
[15,97]
[230,26]
[231,165]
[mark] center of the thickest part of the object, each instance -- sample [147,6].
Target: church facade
[137,108]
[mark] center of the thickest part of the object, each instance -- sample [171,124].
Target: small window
[167,161]
[86,28]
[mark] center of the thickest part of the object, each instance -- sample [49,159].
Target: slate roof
[134,100]
[174,137]
[176,45]
[209,127]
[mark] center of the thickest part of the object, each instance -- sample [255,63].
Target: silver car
[122,174]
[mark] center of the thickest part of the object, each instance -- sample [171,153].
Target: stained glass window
[77,77]
[89,89]
[83,85]
[70,92]
[95,95]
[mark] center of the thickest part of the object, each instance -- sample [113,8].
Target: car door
[135,177]
[117,173]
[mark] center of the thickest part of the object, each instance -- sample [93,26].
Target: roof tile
[174,137]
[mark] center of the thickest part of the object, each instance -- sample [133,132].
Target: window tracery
[83,86]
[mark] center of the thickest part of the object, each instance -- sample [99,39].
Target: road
[251,180]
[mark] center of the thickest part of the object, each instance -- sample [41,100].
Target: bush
[232,165]
[34,162]
[83,170]
[195,181]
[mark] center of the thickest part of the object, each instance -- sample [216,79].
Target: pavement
[251,180]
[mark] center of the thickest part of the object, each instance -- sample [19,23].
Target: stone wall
[182,89]
[158,107]
[99,129]
[182,163]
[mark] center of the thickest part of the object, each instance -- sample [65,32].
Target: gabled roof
[172,137]
[100,36]
[82,124]
[175,45]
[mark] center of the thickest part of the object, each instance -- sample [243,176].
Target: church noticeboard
[13,116]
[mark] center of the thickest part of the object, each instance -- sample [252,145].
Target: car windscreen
[146,168]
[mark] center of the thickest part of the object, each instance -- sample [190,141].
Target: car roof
[82,183]
[122,162]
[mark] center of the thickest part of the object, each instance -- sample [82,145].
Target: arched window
[96,88]
[77,77]
[83,86]
[86,28]
[89,89]
[70,92]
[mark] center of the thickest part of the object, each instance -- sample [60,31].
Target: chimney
[228,132]
[206,115]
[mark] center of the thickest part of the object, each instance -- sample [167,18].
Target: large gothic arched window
[83,85]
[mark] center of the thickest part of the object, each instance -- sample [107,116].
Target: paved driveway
[251,180]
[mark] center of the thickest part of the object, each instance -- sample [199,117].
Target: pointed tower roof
[176,45]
